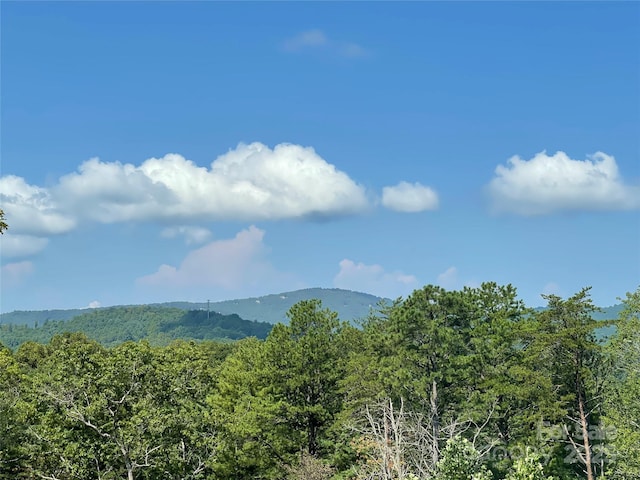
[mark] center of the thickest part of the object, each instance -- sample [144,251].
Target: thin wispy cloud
[238,265]
[192,235]
[14,274]
[309,39]
[449,278]
[374,279]
[318,40]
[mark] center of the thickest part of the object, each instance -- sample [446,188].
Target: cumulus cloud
[14,274]
[316,39]
[449,278]
[12,246]
[373,279]
[409,197]
[230,265]
[32,210]
[192,235]
[547,184]
[94,304]
[251,182]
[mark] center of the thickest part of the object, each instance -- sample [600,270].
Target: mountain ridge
[350,305]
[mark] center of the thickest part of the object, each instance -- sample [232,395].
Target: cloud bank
[547,184]
[251,182]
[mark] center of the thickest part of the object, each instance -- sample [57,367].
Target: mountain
[161,323]
[269,308]
[273,308]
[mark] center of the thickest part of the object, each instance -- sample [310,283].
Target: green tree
[622,401]
[450,356]
[132,411]
[565,344]
[279,399]
[307,357]
[15,413]
[244,410]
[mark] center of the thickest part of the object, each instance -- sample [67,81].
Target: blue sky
[161,151]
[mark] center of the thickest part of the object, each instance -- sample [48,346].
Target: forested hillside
[443,385]
[157,325]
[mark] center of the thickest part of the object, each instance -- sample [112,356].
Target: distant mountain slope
[273,308]
[269,308]
[158,325]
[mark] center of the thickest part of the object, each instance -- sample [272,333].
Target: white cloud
[546,184]
[94,304]
[373,279]
[409,197]
[14,274]
[252,182]
[31,210]
[12,246]
[236,264]
[316,39]
[192,235]
[449,278]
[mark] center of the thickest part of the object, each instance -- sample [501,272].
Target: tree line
[441,385]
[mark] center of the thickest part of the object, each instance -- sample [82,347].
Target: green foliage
[132,411]
[564,344]
[281,397]
[622,401]
[528,468]
[461,461]
[440,386]
[159,326]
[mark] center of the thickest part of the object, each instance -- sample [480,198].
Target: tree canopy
[442,385]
